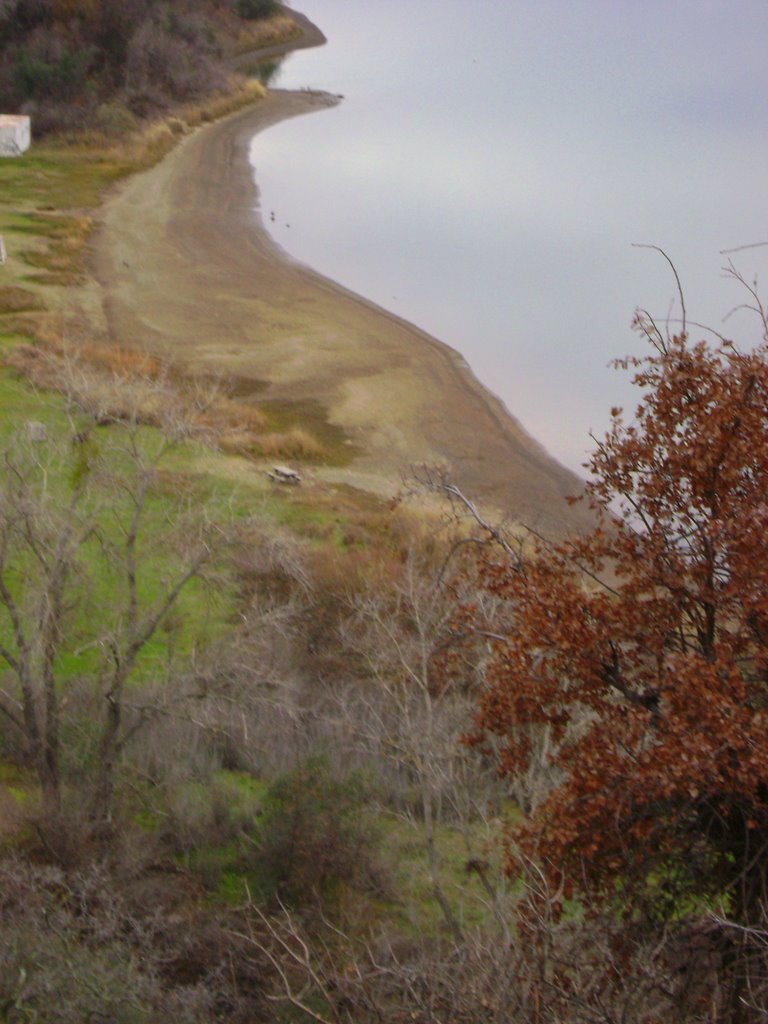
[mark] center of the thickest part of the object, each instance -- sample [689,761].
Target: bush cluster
[101,945]
[63,61]
[252,10]
[315,836]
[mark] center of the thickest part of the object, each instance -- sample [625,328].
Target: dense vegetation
[100,63]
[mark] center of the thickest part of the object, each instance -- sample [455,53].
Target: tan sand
[188,271]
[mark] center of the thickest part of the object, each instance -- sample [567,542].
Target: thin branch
[743,248]
[658,249]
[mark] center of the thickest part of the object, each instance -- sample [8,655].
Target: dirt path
[188,271]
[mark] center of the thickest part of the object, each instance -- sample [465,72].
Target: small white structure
[284,475]
[15,134]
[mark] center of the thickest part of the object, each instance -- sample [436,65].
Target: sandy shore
[188,270]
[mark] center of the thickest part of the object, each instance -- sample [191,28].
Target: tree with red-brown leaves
[643,649]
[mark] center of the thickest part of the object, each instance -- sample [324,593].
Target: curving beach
[189,271]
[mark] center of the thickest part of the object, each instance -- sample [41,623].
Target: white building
[15,134]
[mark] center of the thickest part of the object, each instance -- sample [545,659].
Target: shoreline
[189,271]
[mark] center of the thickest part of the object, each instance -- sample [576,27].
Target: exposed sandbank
[189,271]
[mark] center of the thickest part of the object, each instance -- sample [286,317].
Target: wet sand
[188,271]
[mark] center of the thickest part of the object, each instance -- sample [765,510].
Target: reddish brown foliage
[654,685]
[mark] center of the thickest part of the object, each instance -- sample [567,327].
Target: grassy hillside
[256,787]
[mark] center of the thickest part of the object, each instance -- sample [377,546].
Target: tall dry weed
[295,443]
[279,29]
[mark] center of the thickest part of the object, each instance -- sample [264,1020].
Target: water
[493,162]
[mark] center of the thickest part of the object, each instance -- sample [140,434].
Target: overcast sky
[493,163]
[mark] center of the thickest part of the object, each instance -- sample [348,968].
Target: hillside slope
[104,65]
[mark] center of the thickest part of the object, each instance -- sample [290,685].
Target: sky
[493,165]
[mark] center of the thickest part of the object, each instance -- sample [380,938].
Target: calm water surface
[493,162]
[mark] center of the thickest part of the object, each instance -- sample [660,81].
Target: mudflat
[189,272]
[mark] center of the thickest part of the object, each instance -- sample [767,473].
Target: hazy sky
[493,163]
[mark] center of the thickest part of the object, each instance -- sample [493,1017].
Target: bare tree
[556,968]
[94,567]
[412,717]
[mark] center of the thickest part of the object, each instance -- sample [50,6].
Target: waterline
[492,165]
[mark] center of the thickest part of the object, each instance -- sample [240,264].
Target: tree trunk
[103,794]
[50,783]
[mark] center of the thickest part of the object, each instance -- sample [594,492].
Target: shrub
[61,959]
[253,10]
[114,119]
[314,836]
[161,66]
[105,945]
[51,70]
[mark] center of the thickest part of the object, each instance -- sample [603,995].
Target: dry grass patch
[225,413]
[117,383]
[295,443]
[62,258]
[100,159]
[60,245]
[280,28]
[139,150]
[123,362]
[108,391]
[237,442]
[236,426]
[242,93]
[14,299]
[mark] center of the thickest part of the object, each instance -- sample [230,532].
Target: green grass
[220,865]
[97,597]
[19,402]
[58,176]
[42,198]
[229,873]
[9,339]
[415,909]
[293,511]
[16,783]
[311,416]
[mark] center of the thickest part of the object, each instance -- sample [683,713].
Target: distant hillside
[78,64]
